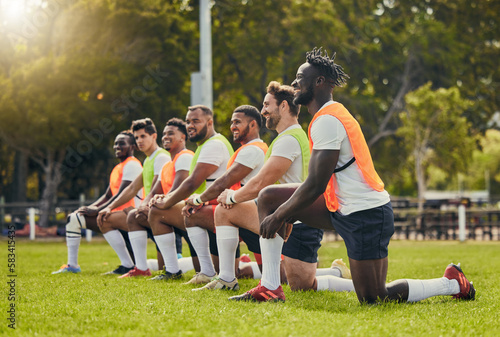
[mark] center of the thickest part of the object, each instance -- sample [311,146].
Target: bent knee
[154,216]
[301,285]
[221,214]
[132,222]
[371,297]
[153,213]
[76,223]
[298,282]
[131,217]
[188,222]
[267,194]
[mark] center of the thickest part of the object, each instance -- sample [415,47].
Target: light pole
[201,83]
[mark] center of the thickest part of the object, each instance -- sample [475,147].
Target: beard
[200,135]
[273,121]
[306,97]
[168,146]
[242,135]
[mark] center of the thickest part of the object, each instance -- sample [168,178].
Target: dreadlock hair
[130,135]
[179,124]
[250,111]
[146,124]
[327,67]
[283,93]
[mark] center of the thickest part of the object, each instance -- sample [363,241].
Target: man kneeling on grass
[343,191]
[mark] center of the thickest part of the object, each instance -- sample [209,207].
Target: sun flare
[12,10]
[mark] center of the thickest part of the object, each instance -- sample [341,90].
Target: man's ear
[320,80]
[253,124]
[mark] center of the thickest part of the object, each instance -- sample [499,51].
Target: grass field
[89,304]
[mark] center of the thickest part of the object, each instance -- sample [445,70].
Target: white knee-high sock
[227,243]
[139,242]
[255,268]
[186,264]
[73,245]
[328,271]
[271,258]
[421,289]
[201,243]
[116,241]
[333,283]
[166,244]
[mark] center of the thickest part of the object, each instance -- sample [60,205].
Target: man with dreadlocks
[344,191]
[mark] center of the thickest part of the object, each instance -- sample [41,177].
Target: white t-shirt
[214,152]
[288,147]
[183,162]
[131,170]
[252,157]
[352,191]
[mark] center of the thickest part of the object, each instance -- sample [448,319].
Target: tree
[436,132]
[483,172]
[84,75]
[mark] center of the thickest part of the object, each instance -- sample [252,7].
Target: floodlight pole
[206,53]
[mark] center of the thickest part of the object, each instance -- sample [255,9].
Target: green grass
[93,305]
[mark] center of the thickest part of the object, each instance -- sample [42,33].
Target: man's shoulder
[162,156]
[252,149]
[214,144]
[134,162]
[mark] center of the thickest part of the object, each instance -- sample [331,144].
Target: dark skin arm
[143,209]
[104,201]
[235,173]
[273,169]
[188,186]
[157,189]
[180,176]
[103,198]
[93,209]
[321,167]
[120,198]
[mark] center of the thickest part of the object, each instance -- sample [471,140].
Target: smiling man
[145,136]
[172,175]
[343,191]
[286,162]
[86,217]
[209,163]
[245,163]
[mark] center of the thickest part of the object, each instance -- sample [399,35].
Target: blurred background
[424,85]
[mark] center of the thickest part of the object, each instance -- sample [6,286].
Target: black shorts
[152,237]
[213,245]
[251,239]
[184,234]
[303,243]
[366,233]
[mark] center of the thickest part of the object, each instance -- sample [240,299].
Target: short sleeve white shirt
[131,170]
[352,191]
[214,152]
[252,157]
[288,147]
[183,162]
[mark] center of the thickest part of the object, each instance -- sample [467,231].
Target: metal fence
[432,224]
[18,212]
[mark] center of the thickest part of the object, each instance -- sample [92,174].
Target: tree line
[73,73]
